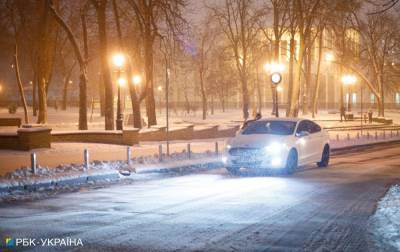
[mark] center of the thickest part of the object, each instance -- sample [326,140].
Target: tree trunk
[34,94]
[381,100]
[150,102]
[317,82]
[42,106]
[203,95]
[137,117]
[245,97]
[105,70]
[65,94]
[294,101]
[102,97]
[20,87]
[307,81]
[45,57]
[291,69]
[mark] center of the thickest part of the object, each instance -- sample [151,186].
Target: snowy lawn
[385,224]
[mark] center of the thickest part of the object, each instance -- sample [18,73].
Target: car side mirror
[302,133]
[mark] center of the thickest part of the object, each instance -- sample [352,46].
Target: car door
[316,140]
[303,144]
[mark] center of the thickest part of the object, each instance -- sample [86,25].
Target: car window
[269,127]
[314,127]
[303,126]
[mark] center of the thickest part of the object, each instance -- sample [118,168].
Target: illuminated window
[397,98]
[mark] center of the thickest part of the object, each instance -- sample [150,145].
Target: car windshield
[270,127]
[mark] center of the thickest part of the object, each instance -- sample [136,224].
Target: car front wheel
[325,157]
[292,162]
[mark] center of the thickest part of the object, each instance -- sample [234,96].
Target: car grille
[248,152]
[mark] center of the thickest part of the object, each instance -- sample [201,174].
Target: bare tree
[135,101]
[238,20]
[305,13]
[16,61]
[380,38]
[150,16]
[47,35]
[82,60]
[100,6]
[205,43]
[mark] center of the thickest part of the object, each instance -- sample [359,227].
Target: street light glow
[121,82]
[329,57]
[159,88]
[137,80]
[274,67]
[349,79]
[118,60]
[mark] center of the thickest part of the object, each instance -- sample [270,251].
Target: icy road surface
[315,209]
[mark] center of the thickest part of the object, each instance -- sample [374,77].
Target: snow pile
[24,179]
[385,224]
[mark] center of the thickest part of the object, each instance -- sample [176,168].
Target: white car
[277,143]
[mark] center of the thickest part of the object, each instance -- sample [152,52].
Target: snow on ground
[68,120]
[385,224]
[45,178]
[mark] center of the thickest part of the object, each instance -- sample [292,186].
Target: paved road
[315,209]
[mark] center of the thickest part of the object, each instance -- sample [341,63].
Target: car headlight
[228,147]
[274,148]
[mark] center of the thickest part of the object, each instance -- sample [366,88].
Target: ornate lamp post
[119,61]
[275,70]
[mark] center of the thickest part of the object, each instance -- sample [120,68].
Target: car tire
[235,171]
[325,157]
[292,162]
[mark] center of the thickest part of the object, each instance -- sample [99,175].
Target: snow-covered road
[315,209]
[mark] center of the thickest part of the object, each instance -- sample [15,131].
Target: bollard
[128,155]
[348,136]
[33,163]
[86,159]
[376,135]
[358,135]
[216,149]
[337,137]
[188,150]
[384,135]
[368,135]
[167,149]
[160,153]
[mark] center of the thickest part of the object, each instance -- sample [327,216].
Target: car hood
[256,140]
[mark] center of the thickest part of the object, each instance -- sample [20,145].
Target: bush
[12,108]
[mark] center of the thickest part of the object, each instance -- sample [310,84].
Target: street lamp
[275,70]
[119,61]
[137,80]
[121,82]
[329,57]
